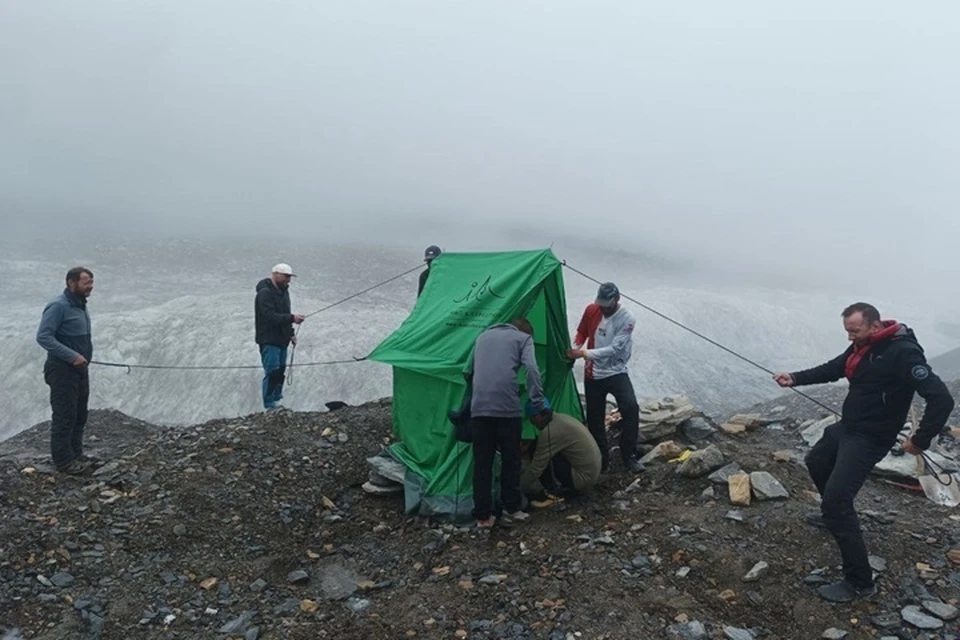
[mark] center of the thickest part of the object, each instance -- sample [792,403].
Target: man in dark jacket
[428,256]
[64,333]
[885,366]
[274,325]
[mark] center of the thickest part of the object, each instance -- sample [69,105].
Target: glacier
[189,303]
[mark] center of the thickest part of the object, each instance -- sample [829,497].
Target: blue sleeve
[534,386]
[47,334]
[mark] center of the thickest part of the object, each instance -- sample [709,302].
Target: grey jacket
[64,330]
[497,355]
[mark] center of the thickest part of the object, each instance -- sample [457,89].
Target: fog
[815,142]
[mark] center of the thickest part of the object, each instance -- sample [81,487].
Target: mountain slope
[947,365]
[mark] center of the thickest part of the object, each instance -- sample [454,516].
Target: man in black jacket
[885,366]
[274,328]
[429,255]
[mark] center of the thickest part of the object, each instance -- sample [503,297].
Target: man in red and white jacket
[605,341]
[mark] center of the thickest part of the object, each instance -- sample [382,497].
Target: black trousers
[596,392]
[490,434]
[839,464]
[69,392]
[563,473]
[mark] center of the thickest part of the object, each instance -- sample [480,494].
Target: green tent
[465,294]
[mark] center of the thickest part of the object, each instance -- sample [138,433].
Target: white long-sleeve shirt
[609,341]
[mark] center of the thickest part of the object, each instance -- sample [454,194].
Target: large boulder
[659,418]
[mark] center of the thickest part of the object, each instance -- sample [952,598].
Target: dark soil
[195,533]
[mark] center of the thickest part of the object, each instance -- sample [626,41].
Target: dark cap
[432,252]
[607,294]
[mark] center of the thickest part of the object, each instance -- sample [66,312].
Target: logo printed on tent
[478,293]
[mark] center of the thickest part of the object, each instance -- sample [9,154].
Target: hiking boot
[815,519]
[843,591]
[486,524]
[517,517]
[75,468]
[633,465]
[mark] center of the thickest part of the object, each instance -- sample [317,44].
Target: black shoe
[843,591]
[76,468]
[91,461]
[815,519]
[633,465]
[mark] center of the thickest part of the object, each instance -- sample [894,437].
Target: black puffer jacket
[882,385]
[274,322]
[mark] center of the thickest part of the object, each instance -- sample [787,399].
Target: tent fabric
[465,294]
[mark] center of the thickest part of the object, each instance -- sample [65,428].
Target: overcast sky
[766,133]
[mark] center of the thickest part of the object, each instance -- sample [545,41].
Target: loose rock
[920,620]
[758,571]
[298,577]
[878,564]
[733,633]
[721,475]
[766,487]
[62,580]
[697,429]
[834,634]
[358,605]
[702,462]
[693,630]
[238,624]
[666,449]
[943,611]
[738,486]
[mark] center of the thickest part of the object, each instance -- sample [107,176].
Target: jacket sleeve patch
[920,372]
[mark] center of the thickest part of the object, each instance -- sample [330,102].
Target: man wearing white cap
[274,327]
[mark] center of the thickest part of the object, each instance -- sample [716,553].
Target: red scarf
[890,327]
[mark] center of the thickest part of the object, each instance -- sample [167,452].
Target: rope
[296,333]
[367,290]
[703,337]
[170,367]
[930,464]
[291,365]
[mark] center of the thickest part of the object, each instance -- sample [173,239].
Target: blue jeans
[274,361]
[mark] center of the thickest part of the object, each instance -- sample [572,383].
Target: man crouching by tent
[565,450]
[497,415]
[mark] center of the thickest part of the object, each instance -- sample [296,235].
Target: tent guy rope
[930,464]
[130,366]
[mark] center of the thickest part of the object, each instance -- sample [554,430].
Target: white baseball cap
[285,269]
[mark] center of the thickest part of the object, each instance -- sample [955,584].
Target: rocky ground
[257,528]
